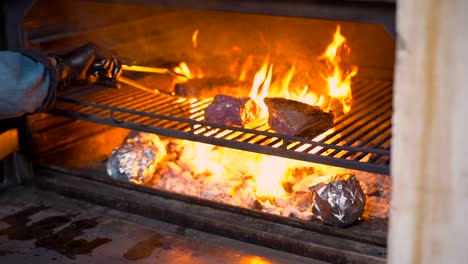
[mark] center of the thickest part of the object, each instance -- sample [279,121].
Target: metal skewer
[136,68]
[136,85]
[144,69]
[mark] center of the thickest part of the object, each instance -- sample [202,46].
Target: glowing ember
[270,184]
[338,79]
[217,173]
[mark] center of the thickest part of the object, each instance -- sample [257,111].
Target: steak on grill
[230,110]
[297,119]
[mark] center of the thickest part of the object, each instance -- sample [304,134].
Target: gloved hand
[88,64]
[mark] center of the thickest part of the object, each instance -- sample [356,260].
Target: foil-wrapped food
[137,159]
[339,201]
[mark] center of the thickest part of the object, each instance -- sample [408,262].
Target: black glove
[88,64]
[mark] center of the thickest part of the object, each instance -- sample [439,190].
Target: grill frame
[354,244]
[354,138]
[14,39]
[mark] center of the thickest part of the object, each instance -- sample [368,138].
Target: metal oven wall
[370,11]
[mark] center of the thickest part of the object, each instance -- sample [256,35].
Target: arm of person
[29,79]
[27,82]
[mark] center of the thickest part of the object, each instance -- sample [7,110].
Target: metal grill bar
[373,101]
[353,130]
[359,140]
[361,112]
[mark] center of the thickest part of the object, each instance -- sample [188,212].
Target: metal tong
[136,68]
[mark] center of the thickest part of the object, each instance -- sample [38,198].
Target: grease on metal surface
[45,236]
[65,241]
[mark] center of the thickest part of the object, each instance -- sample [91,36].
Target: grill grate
[359,140]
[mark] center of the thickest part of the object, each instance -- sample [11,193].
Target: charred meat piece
[297,119]
[230,110]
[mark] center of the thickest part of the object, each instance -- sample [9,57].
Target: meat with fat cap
[297,119]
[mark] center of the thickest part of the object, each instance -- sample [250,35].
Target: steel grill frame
[360,140]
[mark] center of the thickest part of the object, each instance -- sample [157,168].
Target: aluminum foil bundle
[137,159]
[339,201]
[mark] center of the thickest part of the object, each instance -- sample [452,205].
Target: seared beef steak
[297,119]
[230,110]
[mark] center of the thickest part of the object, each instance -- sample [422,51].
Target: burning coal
[251,180]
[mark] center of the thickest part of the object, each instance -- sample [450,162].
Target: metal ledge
[356,244]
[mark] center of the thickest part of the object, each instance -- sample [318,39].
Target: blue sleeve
[27,83]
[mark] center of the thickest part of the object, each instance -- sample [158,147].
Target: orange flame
[194,38]
[339,79]
[183,69]
[263,79]
[218,173]
[271,170]
[287,79]
[254,260]
[245,67]
[263,76]
[210,171]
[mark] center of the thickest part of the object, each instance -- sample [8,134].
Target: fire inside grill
[251,180]
[336,96]
[268,183]
[178,155]
[346,122]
